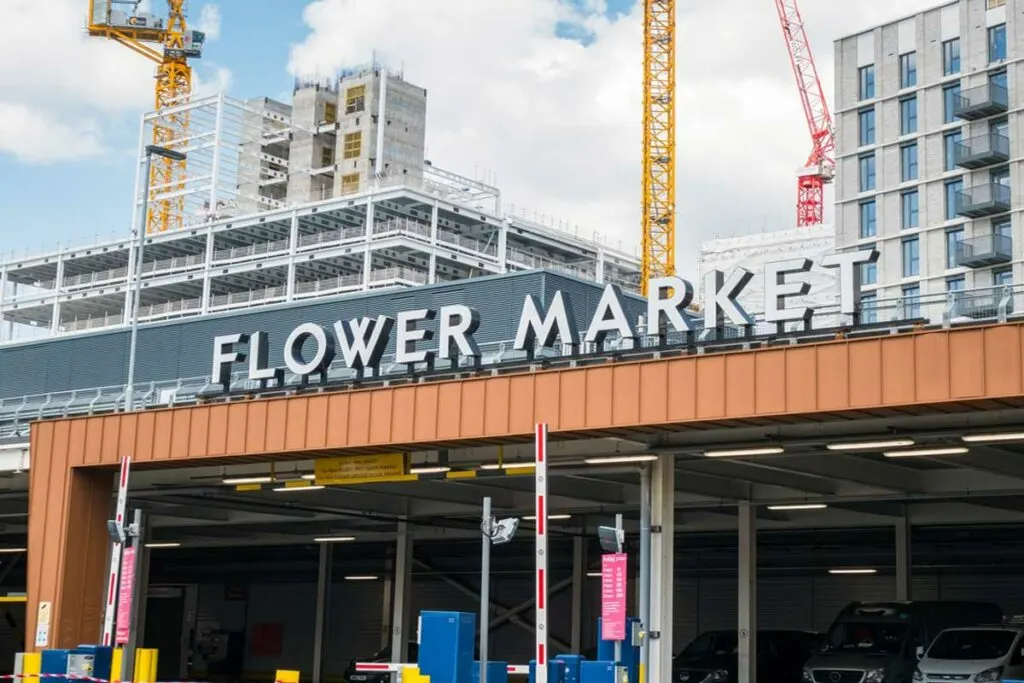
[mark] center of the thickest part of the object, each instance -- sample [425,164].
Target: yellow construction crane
[121,21]
[658,229]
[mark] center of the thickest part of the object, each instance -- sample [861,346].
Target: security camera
[503,530]
[115,531]
[611,538]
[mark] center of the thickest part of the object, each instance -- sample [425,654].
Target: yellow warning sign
[361,469]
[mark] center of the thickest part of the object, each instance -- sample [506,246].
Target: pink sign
[124,597]
[613,596]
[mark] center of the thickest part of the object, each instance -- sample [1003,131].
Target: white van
[980,654]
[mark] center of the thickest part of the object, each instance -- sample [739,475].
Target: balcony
[981,101]
[984,251]
[982,150]
[983,200]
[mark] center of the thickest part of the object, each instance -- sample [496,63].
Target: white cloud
[209,21]
[70,83]
[37,138]
[559,124]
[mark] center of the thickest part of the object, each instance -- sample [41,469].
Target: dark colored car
[382,656]
[712,657]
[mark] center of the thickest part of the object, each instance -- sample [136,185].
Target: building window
[997,87]
[908,115]
[949,143]
[992,4]
[868,271]
[956,284]
[911,257]
[866,120]
[355,99]
[908,162]
[908,70]
[869,308]
[909,205]
[867,173]
[1002,226]
[1002,277]
[330,112]
[953,189]
[327,156]
[353,144]
[997,43]
[866,76]
[912,301]
[1000,127]
[1000,176]
[350,183]
[950,95]
[954,237]
[868,227]
[951,57]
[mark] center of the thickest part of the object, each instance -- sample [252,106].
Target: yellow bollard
[116,657]
[31,665]
[145,665]
[286,676]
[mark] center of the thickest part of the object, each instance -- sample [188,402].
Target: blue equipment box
[556,671]
[446,646]
[597,672]
[497,672]
[572,667]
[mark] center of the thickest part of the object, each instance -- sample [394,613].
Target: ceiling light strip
[926,452]
[738,452]
[870,445]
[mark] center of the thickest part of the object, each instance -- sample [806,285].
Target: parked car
[382,656]
[981,655]
[880,642]
[712,657]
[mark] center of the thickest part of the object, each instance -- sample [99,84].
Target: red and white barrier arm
[381,667]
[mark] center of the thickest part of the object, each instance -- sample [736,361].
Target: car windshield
[867,637]
[717,643]
[993,644]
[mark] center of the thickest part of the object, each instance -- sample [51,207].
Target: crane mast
[121,21]
[658,227]
[820,166]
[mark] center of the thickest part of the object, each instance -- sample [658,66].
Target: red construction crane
[821,165]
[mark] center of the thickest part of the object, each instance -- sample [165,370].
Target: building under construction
[281,202]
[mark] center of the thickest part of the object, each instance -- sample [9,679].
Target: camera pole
[487,527]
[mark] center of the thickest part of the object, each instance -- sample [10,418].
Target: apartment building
[929,153]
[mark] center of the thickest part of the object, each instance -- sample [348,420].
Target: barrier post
[286,676]
[541,480]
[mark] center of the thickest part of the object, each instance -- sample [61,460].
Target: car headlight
[807,676]
[875,676]
[988,675]
[684,676]
[718,675]
[918,676]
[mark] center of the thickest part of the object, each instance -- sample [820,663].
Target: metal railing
[983,199]
[331,284]
[219,301]
[981,150]
[981,100]
[984,250]
[251,250]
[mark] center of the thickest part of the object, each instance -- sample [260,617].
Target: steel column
[746,604]
[645,568]
[367,260]
[432,265]
[323,601]
[662,567]
[485,585]
[579,573]
[403,584]
[541,549]
[904,561]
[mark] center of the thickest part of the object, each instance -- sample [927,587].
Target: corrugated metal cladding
[183,348]
[701,604]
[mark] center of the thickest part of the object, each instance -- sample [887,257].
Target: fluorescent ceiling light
[594,574]
[334,539]
[298,488]
[507,465]
[361,578]
[309,477]
[429,469]
[169,544]
[982,438]
[249,480]
[534,517]
[13,550]
[800,506]
[924,452]
[616,459]
[764,450]
[853,571]
[870,445]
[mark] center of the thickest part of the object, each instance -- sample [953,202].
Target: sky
[542,97]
